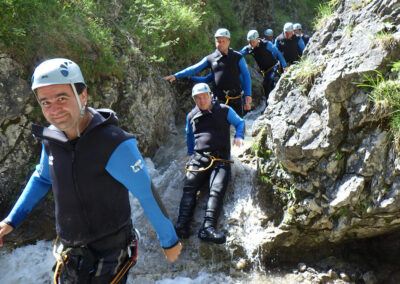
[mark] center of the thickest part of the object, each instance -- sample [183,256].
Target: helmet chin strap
[81,109]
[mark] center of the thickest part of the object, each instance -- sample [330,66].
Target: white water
[199,262]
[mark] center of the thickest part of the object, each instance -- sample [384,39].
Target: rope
[265,72]
[123,270]
[60,258]
[213,159]
[232,98]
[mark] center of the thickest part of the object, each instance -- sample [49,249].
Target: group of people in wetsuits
[208,123]
[91,164]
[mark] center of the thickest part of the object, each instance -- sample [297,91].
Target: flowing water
[199,262]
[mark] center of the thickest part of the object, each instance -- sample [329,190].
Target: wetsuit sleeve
[276,53]
[206,79]
[237,122]
[189,71]
[126,165]
[246,84]
[276,44]
[36,188]
[189,137]
[244,51]
[301,44]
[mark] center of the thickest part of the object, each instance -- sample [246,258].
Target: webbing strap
[265,72]
[232,98]
[213,159]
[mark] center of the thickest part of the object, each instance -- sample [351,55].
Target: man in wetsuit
[91,165]
[227,66]
[269,35]
[208,143]
[289,44]
[297,29]
[266,56]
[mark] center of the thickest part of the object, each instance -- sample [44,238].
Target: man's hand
[285,69]
[170,78]
[4,230]
[172,253]
[247,105]
[238,142]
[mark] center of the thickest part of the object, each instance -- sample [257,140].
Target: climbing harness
[132,257]
[61,257]
[231,98]
[213,159]
[265,72]
[64,256]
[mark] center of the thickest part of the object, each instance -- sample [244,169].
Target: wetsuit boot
[214,206]
[209,234]
[186,209]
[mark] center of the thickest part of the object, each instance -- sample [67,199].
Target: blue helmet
[269,32]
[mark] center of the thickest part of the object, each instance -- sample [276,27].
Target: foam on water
[32,264]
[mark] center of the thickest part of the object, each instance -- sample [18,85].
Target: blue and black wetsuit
[266,56]
[90,178]
[226,70]
[305,38]
[291,49]
[208,133]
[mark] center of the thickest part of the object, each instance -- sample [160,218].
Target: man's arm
[36,188]
[276,53]
[127,166]
[206,79]
[245,81]
[189,71]
[301,44]
[244,51]
[238,123]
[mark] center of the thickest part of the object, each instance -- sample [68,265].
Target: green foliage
[385,95]
[325,10]
[32,30]
[304,73]
[386,39]
[102,35]
[304,11]
[339,156]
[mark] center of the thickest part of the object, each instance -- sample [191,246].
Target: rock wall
[324,153]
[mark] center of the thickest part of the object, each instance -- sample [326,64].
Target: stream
[199,262]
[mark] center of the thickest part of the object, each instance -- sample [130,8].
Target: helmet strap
[81,108]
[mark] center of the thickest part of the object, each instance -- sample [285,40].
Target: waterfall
[199,262]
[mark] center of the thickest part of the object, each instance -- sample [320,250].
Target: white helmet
[288,27]
[59,71]
[269,32]
[297,26]
[200,88]
[252,34]
[222,32]
[56,71]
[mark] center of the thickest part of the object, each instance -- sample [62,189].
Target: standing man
[289,44]
[208,143]
[90,164]
[226,67]
[266,56]
[298,31]
[269,35]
